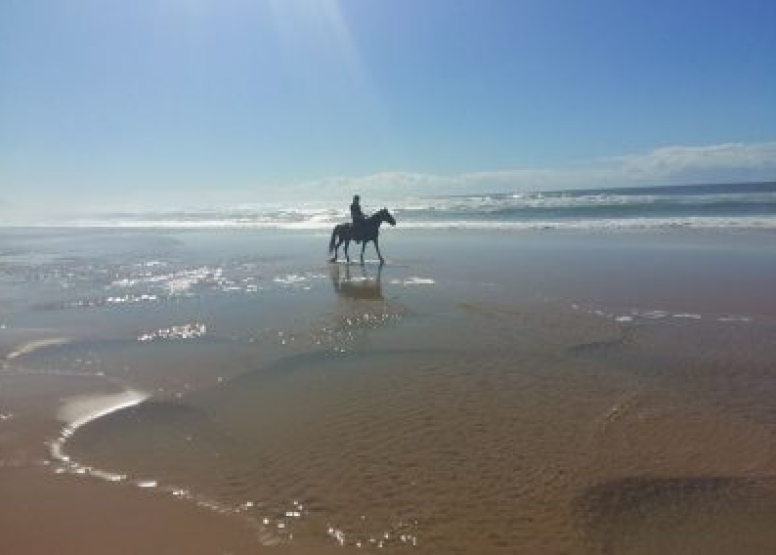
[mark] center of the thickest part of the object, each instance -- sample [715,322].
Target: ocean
[742,205]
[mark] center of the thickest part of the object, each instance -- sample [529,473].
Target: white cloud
[729,162]
[686,160]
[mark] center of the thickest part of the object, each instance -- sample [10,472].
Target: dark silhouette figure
[357,215]
[363,287]
[370,229]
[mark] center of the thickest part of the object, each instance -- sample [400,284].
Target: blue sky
[107,103]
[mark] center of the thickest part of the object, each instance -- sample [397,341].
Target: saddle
[357,231]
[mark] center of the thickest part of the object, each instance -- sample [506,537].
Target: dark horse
[369,231]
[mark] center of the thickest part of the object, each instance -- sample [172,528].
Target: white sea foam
[290,279]
[609,224]
[295,280]
[32,346]
[129,299]
[413,281]
[742,319]
[184,331]
[644,314]
[471,223]
[652,314]
[173,283]
[79,411]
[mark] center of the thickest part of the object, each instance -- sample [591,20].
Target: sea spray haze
[701,206]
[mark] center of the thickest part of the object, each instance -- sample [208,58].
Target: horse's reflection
[362,286]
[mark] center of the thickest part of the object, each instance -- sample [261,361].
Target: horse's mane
[377,214]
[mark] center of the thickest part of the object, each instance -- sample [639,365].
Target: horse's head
[386,216]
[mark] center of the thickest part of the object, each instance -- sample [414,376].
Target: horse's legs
[336,249]
[347,244]
[363,247]
[379,254]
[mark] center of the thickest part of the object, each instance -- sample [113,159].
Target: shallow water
[478,404]
[459,449]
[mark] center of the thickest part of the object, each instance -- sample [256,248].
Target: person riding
[358,217]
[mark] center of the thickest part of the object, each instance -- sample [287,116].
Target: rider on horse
[363,230]
[358,218]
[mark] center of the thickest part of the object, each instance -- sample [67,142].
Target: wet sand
[47,513]
[486,393]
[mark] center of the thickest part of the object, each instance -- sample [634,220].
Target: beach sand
[539,392]
[46,513]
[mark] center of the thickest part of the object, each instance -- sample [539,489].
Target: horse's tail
[333,239]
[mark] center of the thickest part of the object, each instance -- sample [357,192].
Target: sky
[109,104]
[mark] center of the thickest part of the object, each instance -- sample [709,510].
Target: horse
[368,231]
